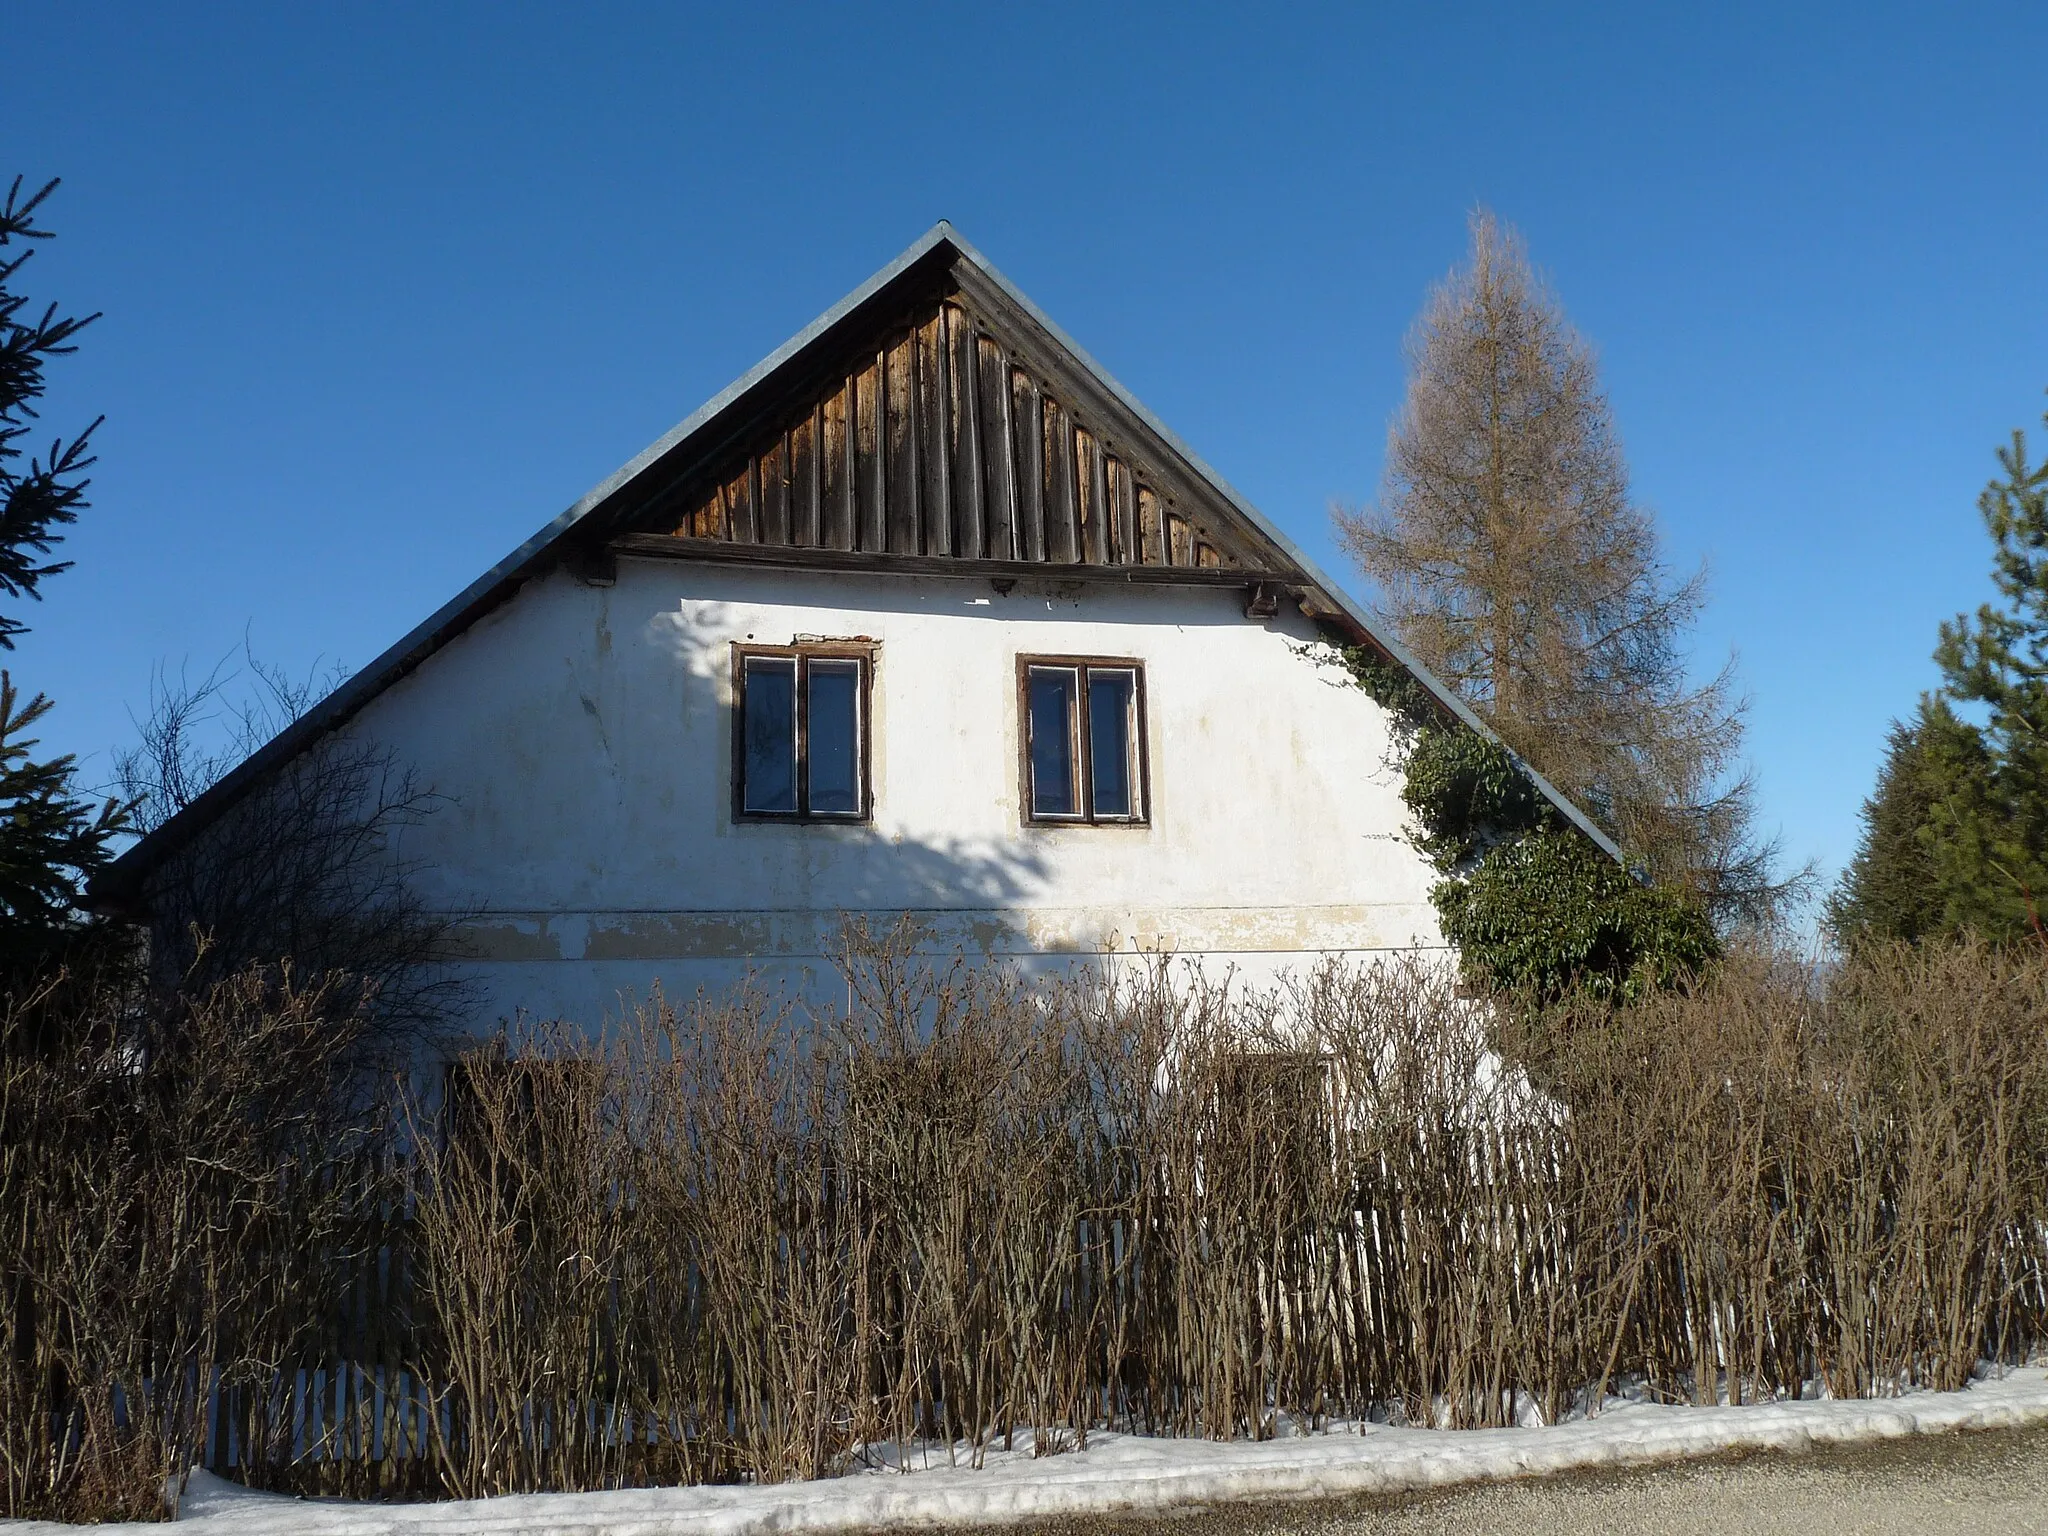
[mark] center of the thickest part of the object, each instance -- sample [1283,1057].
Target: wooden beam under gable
[663,546]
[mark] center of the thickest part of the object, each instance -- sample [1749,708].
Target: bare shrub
[1476,1271]
[739,1238]
[176,1190]
[961,1206]
[1841,1185]
[749,1212]
[963,1142]
[521,1218]
[1216,1123]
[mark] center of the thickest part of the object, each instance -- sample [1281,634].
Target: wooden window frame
[1082,758]
[803,653]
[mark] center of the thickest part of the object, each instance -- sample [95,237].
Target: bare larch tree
[1508,553]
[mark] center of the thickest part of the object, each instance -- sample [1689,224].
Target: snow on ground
[1129,1472]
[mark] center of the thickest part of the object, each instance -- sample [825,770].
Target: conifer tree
[1892,888]
[51,838]
[1508,553]
[1998,659]
[1955,838]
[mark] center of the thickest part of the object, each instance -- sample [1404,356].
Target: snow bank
[1130,1472]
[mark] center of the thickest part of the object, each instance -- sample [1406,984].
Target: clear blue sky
[388,287]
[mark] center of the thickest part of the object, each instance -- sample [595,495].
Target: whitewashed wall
[582,739]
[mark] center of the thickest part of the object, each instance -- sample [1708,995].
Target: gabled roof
[934,420]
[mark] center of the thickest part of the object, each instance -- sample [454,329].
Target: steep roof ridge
[488,590]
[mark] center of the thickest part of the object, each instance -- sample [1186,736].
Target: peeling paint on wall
[582,739]
[805,933]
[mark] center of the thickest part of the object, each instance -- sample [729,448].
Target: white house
[925,615]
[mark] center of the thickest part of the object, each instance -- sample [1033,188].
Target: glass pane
[770,762]
[1109,742]
[835,738]
[1051,692]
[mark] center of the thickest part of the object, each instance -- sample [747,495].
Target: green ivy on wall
[1532,905]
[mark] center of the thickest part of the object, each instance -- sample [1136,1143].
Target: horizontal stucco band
[799,933]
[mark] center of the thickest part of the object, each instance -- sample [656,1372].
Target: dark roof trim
[941,243]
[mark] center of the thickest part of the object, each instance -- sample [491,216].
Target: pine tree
[1507,552]
[1998,659]
[50,837]
[1955,837]
[1893,887]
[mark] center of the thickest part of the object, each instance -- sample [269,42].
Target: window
[1084,739]
[800,736]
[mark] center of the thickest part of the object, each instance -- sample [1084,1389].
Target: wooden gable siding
[946,442]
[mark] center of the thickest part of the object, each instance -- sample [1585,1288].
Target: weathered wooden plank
[1106,510]
[998,453]
[1151,528]
[739,506]
[774,471]
[1091,475]
[837,503]
[1062,531]
[965,420]
[803,480]
[1180,540]
[1123,520]
[869,461]
[708,521]
[1027,409]
[900,423]
[1207,557]
[1084,454]
[964,402]
[934,460]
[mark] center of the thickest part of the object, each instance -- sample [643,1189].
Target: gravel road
[1990,1483]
